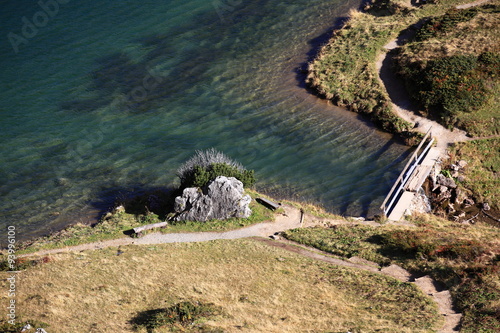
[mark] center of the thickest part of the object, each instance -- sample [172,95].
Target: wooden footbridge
[411,179]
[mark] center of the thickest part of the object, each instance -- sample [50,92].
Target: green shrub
[449,85]
[205,166]
[445,23]
[185,314]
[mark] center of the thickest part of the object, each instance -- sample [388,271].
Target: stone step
[443,299]
[397,272]
[361,261]
[426,284]
[451,324]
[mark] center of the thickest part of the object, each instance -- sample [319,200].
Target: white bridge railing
[400,184]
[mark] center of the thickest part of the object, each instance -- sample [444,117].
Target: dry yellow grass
[261,289]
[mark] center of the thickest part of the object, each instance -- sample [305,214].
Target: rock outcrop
[221,199]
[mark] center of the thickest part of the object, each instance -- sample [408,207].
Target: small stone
[26,328]
[462,164]
[443,189]
[486,206]
[451,208]
[119,209]
[454,167]
[468,202]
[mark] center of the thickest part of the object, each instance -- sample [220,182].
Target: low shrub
[201,176]
[207,165]
[450,85]
[445,23]
[184,314]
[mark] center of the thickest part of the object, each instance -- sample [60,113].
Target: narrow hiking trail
[290,219]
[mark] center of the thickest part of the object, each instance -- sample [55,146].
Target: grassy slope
[260,289]
[472,37]
[464,258]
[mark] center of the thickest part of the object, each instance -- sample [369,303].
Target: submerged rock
[221,199]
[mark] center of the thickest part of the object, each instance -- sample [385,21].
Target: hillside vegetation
[452,68]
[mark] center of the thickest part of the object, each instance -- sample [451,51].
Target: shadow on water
[315,46]
[137,200]
[390,172]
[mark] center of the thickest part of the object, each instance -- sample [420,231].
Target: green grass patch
[341,240]
[344,70]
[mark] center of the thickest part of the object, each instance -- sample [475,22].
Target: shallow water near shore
[107,99]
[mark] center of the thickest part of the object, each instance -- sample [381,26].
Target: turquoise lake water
[106,98]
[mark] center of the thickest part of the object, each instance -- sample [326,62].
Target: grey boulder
[221,199]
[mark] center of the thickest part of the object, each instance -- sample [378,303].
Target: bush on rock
[207,165]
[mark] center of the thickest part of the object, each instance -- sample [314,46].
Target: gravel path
[289,220]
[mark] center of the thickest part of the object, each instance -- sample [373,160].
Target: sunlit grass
[258,288]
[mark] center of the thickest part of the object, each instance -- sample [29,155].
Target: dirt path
[286,221]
